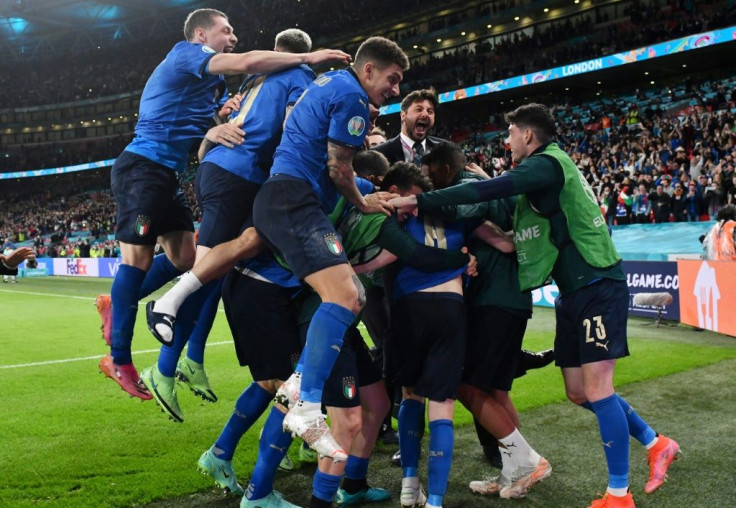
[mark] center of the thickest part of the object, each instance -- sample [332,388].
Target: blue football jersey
[262,111]
[333,108]
[177,105]
[266,266]
[434,232]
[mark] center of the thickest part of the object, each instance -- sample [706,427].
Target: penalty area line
[85,358]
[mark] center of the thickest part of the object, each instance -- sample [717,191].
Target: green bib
[586,226]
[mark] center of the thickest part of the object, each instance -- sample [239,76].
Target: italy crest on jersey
[142,225]
[333,243]
[348,387]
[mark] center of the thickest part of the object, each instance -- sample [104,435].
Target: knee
[351,424]
[576,396]
[184,259]
[270,385]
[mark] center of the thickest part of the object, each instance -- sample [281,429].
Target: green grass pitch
[71,438]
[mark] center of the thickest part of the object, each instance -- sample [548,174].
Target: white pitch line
[96,357]
[46,294]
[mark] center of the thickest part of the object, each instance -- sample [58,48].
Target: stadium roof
[33,28]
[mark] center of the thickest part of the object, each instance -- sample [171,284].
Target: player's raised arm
[266,62]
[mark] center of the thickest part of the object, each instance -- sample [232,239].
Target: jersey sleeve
[349,120]
[193,59]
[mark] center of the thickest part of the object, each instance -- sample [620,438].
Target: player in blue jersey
[312,167]
[226,184]
[178,104]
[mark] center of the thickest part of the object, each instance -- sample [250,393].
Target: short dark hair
[427,94]
[728,212]
[405,174]
[293,40]
[448,153]
[536,117]
[201,18]
[370,163]
[382,52]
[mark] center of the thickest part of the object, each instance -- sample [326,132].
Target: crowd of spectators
[68,153]
[564,42]
[646,160]
[69,215]
[125,65]
[645,164]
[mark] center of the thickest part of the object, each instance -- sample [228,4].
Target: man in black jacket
[417,119]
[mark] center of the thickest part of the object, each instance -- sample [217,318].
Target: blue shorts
[428,338]
[289,218]
[353,369]
[263,321]
[226,202]
[148,200]
[591,324]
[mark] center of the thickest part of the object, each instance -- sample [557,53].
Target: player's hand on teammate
[227,134]
[472,268]
[327,55]
[17,257]
[472,167]
[406,205]
[378,202]
[232,104]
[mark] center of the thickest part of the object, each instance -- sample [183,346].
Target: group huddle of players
[305,232]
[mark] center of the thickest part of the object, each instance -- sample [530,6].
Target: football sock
[272,447]
[614,431]
[410,417]
[518,448]
[170,302]
[441,444]
[198,338]
[324,486]
[356,468]
[324,339]
[356,471]
[124,296]
[248,408]
[162,271]
[638,428]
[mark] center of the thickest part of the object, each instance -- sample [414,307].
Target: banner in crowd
[708,295]
[635,55]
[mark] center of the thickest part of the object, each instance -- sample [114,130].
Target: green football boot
[163,389]
[194,376]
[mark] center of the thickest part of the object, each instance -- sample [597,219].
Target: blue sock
[614,431]
[324,339]
[324,486]
[441,444]
[161,272]
[410,419]
[638,428]
[356,468]
[271,450]
[124,294]
[249,407]
[198,338]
